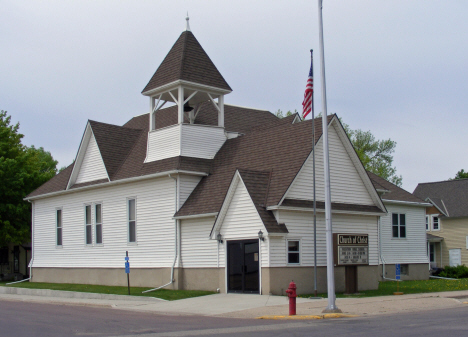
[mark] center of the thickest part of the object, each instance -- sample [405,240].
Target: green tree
[280,114]
[461,175]
[22,170]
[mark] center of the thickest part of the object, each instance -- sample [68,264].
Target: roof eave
[115,182]
[187,84]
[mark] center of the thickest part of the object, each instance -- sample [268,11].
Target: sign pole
[127,271]
[326,164]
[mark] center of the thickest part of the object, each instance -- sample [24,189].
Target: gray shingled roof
[450,195]
[123,148]
[281,149]
[395,193]
[187,61]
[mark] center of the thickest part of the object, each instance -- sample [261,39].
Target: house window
[404,269]
[58,222]
[435,223]
[427,222]
[293,252]
[131,220]
[98,222]
[398,225]
[88,225]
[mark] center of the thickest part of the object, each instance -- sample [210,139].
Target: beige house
[446,221]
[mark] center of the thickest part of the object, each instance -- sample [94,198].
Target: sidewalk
[247,306]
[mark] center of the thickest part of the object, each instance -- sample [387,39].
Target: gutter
[411,203]
[320,210]
[117,182]
[195,216]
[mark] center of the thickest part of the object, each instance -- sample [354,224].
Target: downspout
[32,247]
[176,223]
[380,252]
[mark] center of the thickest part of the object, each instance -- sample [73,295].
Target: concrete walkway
[243,305]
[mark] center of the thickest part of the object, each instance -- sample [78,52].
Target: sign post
[398,277]
[127,271]
[350,251]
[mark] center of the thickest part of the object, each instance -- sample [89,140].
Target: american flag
[307,104]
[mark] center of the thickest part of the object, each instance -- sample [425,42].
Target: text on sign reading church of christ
[352,249]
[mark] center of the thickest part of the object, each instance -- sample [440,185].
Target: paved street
[37,319]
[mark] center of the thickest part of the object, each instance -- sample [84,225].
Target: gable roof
[189,62]
[257,184]
[394,193]
[123,148]
[450,196]
[281,149]
[115,143]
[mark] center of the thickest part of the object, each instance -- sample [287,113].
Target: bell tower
[186,77]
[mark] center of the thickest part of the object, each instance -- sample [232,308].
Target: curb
[295,317]
[74,294]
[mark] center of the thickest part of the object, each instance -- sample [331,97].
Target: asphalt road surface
[33,319]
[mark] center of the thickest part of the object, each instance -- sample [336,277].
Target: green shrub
[455,272]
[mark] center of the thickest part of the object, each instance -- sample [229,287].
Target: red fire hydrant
[292,298]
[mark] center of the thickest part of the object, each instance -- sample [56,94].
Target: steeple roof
[189,62]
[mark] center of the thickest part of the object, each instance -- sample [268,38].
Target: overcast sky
[397,68]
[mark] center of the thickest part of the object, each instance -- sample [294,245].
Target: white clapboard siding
[197,250]
[155,227]
[413,248]
[163,143]
[346,184]
[201,141]
[243,222]
[92,167]
[187,184]
[300,226]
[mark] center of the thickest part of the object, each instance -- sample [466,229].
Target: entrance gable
[348,179]
[238,217]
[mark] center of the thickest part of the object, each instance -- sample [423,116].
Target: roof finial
[187,28]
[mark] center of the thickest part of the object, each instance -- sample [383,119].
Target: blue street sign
[127,267]
[397,271]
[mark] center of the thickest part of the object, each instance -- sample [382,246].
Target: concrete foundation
[416,271]
[274,280]
[139,277]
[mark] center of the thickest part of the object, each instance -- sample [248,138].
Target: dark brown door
[243,266]
[351,281]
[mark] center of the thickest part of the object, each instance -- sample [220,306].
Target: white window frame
[438,221]
[95,223]
[57,227]
[128,221]
[86,225]
[399,226]
[428,223]
[287,252]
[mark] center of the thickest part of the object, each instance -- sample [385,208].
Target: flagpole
[313,179]
[326,164]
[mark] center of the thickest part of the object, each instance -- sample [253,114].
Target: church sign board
[351,249]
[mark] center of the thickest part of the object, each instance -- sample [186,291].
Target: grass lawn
[409,287]
[170,295]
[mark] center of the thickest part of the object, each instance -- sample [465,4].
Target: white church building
[207,195]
